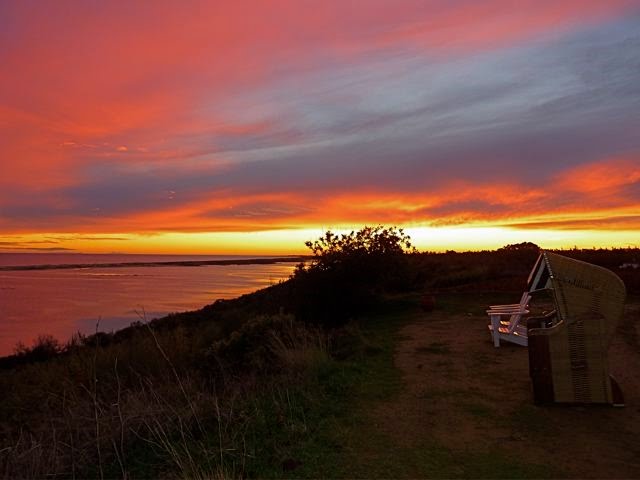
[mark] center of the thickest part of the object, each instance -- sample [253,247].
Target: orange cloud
[603,176]
[585,195]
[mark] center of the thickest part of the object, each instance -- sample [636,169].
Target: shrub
[349,272]
[268,344]
[44,348]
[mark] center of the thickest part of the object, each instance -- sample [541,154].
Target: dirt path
[472,401]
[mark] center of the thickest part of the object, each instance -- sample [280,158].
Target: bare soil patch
[475,401]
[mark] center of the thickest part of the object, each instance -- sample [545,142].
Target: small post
[495,326]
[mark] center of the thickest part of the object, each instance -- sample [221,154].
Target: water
[23,259]
[61,302]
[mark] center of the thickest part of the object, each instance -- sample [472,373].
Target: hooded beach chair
[568,348]
[506,320]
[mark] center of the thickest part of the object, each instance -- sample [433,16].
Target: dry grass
[141,409]
[184,398]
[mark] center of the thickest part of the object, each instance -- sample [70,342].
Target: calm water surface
[18,259]
[62,302]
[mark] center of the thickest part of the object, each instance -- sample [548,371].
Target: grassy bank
[265,402]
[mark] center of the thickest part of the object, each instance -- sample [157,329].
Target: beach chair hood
[568,360]
[581,289]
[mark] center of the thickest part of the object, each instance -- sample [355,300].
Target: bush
[349,272]
[267,344]
[44,348]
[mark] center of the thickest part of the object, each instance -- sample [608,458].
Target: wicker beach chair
[568,347]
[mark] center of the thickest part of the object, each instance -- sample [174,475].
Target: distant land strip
[189,263]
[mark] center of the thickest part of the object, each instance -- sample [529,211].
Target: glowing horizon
[291,242]
[245,127]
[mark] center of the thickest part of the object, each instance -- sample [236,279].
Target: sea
[60,294]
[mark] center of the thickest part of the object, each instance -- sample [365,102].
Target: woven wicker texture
[589,302]
[582,288]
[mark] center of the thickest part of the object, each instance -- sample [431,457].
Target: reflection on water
[61,302]
[16,259]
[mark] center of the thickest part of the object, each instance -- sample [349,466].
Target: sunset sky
[251,126]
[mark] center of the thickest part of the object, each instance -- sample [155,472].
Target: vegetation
[349,273]
[272,384]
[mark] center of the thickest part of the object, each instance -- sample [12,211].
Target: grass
[350,445]
[436,348]
[334,419]
[236,390]
[159,418]
[478,409]
[309,416]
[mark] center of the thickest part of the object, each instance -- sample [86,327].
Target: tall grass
[148,406]
[227,391]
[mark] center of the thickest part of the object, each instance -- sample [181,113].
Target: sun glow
[291,241]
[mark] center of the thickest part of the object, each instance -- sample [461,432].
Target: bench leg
[495,325]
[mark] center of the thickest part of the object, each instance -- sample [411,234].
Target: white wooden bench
[506,321]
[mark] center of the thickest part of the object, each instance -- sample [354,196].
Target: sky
[251,126]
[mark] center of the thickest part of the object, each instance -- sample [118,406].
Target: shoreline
[185,263]
[8,356]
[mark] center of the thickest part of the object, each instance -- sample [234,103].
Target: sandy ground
[472,398]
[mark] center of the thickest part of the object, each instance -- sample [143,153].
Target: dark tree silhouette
[519,247]
[349,272]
